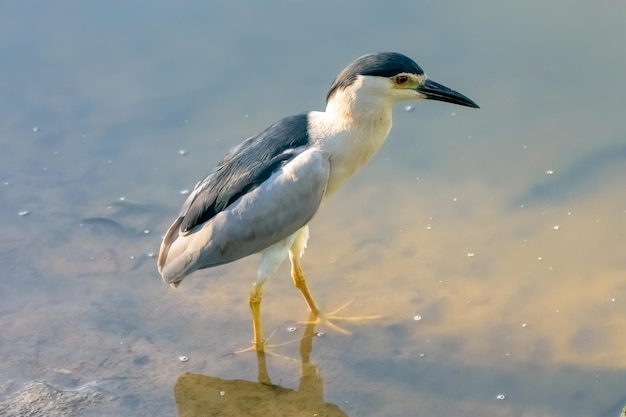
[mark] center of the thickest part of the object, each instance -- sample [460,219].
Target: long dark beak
[435,91]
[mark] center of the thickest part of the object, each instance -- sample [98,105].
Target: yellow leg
[327,318]
[300,282]
[255,307]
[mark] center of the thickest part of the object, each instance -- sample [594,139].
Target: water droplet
[35,129]
[539,258]
[422,355]
[470,254]
[556,227]
[151,255]
[122,198]
[408,108]
[549,172]
[184,192]
[320,334]
[500,397]
[23,213]
[222,393]
[429,227]
[524,324]
[417,317]
[183,358]
[182,152]
[146,231]
[291,329]
[453,114]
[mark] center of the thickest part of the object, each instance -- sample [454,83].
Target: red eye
[401,79]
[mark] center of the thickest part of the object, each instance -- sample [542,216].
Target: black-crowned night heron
[262,195]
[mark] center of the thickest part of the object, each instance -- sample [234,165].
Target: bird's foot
[330,318]
[264,347]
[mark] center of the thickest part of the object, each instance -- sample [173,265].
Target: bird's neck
[353,129]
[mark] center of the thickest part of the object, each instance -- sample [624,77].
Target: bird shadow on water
[206,396]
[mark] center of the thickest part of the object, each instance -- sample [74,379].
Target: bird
[262,195]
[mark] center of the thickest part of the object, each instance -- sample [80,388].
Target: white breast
[348,145]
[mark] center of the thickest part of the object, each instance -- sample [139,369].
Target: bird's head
[390,77]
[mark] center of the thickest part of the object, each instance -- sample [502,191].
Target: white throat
[352,129]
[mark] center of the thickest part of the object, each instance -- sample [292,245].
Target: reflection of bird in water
[262,195]
[207,396]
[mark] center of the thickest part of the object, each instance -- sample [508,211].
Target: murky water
[492,241]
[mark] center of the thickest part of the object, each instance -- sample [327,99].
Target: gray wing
[270,212]
[244,169]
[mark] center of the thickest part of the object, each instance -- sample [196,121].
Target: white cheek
[410,94]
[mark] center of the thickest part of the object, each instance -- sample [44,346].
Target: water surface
[491,241]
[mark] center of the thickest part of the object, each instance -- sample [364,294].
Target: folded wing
[262,192]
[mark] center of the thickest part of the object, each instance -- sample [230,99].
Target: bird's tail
[170,236]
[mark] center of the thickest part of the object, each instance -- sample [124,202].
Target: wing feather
[273,211]
[244,168]
[273,159]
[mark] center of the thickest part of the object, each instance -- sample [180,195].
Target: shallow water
[491,241]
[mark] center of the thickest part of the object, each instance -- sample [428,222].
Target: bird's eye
[401,79]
